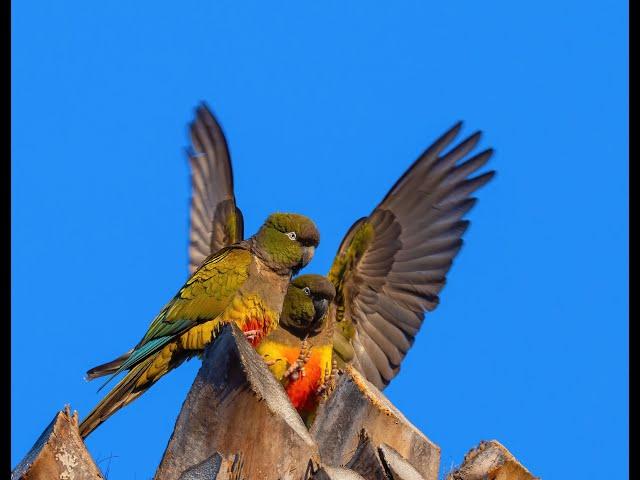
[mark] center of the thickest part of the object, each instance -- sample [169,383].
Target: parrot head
[287,241]
[305,304]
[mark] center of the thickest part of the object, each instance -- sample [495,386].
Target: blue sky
[324,105]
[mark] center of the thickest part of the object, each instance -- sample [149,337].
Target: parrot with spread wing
[244,283]
[388,271]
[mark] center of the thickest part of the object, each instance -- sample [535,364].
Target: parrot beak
[307,255]
[320,308]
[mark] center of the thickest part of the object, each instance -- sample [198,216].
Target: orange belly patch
[302,391]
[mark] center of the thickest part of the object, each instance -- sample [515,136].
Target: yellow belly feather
[248,312]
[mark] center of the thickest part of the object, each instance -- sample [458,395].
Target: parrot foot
[251,335]
[329,382]
[297,368]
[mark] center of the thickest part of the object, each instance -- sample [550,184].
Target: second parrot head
[306,303]
[287,240]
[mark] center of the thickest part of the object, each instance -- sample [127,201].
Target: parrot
[299,352]
[244,283]
[387,274]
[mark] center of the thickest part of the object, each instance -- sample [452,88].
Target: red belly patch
[261,326]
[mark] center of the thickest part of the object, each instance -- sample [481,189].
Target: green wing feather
[351,249]
[203,297]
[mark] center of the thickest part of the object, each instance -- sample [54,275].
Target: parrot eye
[292,235]
[307,291]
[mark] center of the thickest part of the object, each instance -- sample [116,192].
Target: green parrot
[244,283]
[299,352]
[388,272]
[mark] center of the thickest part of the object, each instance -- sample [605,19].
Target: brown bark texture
[237,423]
[59,453]
[357,405]
[490,460]
[236,406]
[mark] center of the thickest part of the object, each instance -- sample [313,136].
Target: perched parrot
[299,351]
[244,283]
[388,271]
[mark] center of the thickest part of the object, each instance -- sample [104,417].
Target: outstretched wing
[392,264]
[216,221]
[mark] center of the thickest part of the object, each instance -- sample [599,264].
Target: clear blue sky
[324,106]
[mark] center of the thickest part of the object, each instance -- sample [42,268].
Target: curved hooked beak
[320,307]
[307,255]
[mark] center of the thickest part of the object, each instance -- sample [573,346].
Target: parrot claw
[329,382]
[251,335]
[297,368]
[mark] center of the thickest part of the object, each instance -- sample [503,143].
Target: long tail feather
[109,367]
[123,393]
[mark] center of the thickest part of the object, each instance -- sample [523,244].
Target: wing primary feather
[391,266]
[213,223]
[429,155]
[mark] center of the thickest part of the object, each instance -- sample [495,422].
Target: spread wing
[392,264]
[215,220]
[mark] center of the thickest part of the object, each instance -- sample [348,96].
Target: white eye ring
[292,235]
[307,291]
